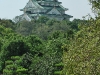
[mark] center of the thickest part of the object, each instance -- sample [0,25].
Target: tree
[43,19]
[7,23]
[51,54]
[12,45]
[95,6]
[15,48]
[24,28]
[13,67]
[51,22]
[82,54]
[35,44]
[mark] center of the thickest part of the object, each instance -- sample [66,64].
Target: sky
[77,8]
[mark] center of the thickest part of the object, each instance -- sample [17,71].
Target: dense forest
[50,47]
[34,47]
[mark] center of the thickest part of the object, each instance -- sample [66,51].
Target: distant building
[48,8]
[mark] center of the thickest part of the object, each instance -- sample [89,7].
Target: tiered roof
[48,8]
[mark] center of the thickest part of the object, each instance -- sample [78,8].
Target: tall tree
[82,54]
[95,6]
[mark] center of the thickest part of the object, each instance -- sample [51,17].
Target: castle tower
[49,8]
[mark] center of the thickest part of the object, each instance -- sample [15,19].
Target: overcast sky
[77,8]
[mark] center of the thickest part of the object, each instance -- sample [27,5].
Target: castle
[48,8]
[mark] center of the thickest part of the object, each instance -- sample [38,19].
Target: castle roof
[49,8]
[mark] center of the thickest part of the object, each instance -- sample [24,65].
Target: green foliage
[60,64]
[52,53]
[26,60]
[83,52]
[95,3]
[21,70]
[11,67]
[15,58]
[44,27]
[5,31]
[42,19]
[24,27]
[8,62]
[0,43]
[15,47]
[35,44]
[7,23]
[59,68]
[51,22]
[58,73]
[33,48]
[95,6]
